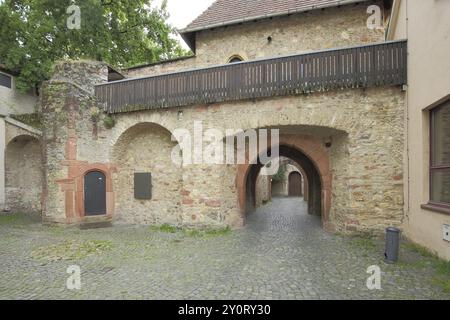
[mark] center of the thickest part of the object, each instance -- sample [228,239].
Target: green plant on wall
[32,119]
[95,113]
[279,176]
[109,122]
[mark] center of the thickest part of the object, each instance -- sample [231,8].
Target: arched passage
[145,150]
[23,174]
[313,158]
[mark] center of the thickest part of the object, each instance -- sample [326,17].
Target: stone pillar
[69,110]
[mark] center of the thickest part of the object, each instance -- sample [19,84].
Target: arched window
[235,58]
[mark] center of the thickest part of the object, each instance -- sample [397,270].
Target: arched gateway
[316,130]
[312,156]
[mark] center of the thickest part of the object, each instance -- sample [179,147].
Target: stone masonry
[366,156]
[354,137]
[294,34]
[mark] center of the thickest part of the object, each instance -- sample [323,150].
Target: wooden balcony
[382,64]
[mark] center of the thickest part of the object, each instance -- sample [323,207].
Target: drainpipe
[393,20]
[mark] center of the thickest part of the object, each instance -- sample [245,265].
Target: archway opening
[23,175]
[308,180]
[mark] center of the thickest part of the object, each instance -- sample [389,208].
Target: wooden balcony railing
[381,64]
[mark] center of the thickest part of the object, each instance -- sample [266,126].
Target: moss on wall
[32,119]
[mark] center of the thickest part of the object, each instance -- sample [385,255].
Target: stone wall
[84,74]
[73,140]
[147,148]
[263,190]
[15,102]
[363,164]
[365,156]
[293,34]
[160,68]
[279,188]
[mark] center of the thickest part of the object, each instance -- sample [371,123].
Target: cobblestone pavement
[282,254]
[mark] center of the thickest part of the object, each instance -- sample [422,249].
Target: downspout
[390,34]
[408,208]
[393,20]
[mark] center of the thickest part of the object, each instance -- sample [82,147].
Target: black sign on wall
[5,80]
[143,186]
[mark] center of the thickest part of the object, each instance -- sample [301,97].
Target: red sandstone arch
[74,190]
[315,151]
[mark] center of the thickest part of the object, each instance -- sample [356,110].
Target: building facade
[319,75]
[347,97]
[426,25]
[20,150]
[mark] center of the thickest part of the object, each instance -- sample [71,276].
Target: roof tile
[225,12]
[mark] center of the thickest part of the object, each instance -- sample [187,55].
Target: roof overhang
[114,75]
[8,71]
[188,34]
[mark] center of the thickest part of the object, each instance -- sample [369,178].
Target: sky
[182,12]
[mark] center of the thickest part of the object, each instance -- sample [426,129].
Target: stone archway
[23,174]
[312,156]
[146,148]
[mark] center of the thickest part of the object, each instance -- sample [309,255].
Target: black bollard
[392,245]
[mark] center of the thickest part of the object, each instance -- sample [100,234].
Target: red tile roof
[226,12]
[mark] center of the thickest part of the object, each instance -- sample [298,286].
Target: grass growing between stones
[366,243]
[207,233]
[192,233]
[16,219]
[71,250]
[165,228]
[8,219]
[428,258]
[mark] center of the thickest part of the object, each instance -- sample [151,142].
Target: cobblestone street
[281,254]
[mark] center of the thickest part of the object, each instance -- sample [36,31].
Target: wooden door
[95,194]
[295,184]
